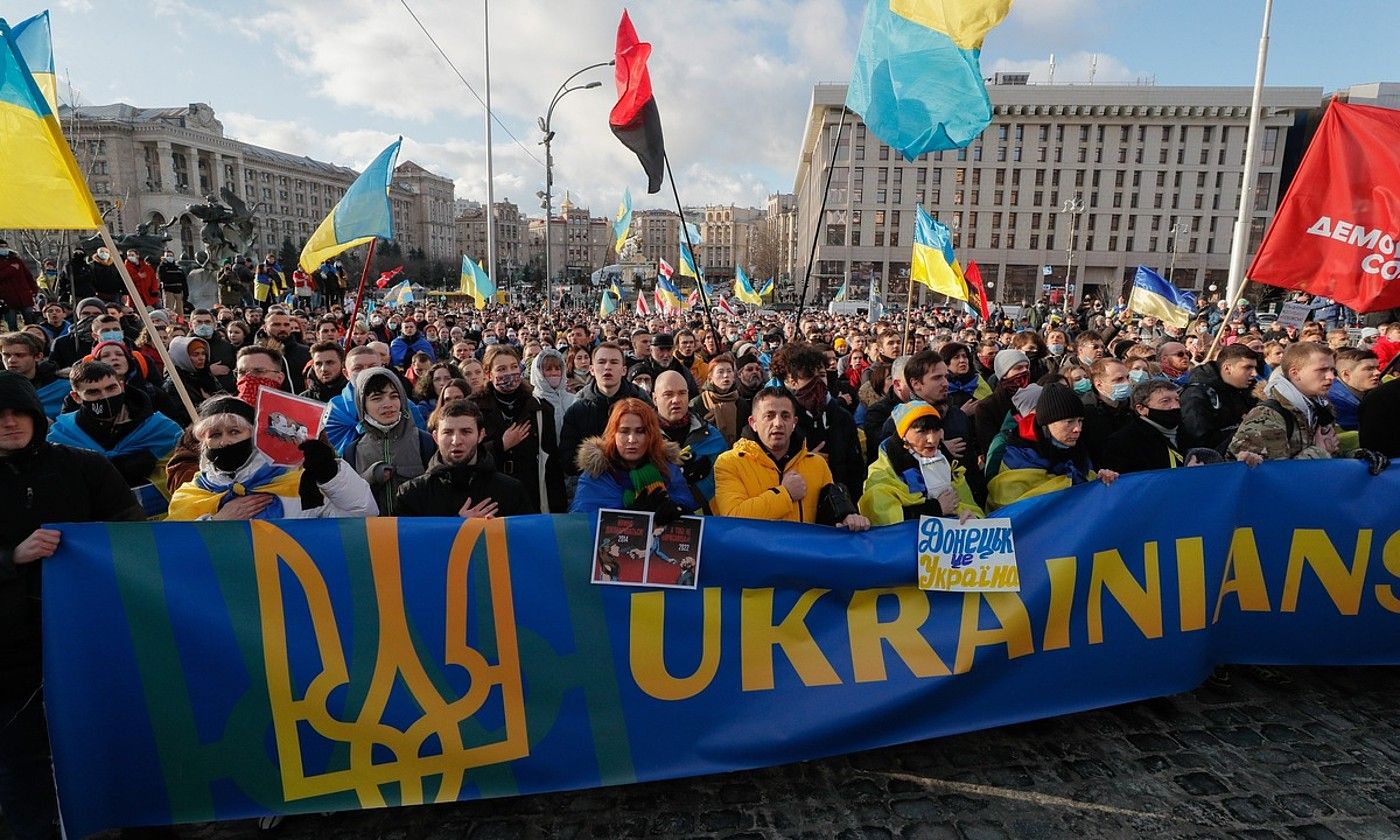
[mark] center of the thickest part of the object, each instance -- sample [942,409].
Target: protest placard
[1292,315]
[283,422]
[675,553]
[978,555]
[621,545]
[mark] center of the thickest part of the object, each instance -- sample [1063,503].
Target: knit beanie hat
[224,404]
[1057,402]
[1025,399]
[1006,360]
[906,414]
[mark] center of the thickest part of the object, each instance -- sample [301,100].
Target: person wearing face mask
[17,286]
[191,357]
[223,355]
[912,476]
[391,449]
[122,424]
[1150,440]
[1110,406]
[549,385]
[1048,456]
[520,431]
[145,278]
[106,280]
[1012,370]
[173,283]
[236,481]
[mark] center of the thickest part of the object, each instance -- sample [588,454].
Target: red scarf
[812,396]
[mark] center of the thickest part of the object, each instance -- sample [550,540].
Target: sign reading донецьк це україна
[978,555]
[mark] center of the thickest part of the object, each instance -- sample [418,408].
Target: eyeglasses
[261,371]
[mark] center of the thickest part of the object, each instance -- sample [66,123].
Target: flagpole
[908,305]
[490,164]
[699,279]
[1225,322]
[1240,242]
[156,338]
[821,215]
[360,295]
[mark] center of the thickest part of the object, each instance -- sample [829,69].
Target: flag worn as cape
[635,119]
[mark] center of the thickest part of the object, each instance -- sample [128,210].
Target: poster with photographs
[675,553]
[621,546]
[283,422]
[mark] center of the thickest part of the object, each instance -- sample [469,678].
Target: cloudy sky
[338,79]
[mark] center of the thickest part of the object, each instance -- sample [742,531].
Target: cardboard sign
[1293,315]
[630,549]
[978,555]
[283,422]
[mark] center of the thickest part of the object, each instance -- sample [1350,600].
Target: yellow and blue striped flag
[40,184]
[668,296]
[608,305]
[841,292]
[35,40]
[917,80]
[623,222]
[362,215]
[399,294]
[767,288]
[743,288]
[933,263]
[476,282]
[1154,295]
[689,267]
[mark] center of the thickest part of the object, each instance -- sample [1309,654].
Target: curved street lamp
[548,193]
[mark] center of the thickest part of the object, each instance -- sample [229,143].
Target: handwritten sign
[1293,315]
[976,556]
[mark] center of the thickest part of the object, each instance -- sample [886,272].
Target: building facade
[578,242]
[729,235]
[512,236]
[780,222]
[1069,186]
[425,227]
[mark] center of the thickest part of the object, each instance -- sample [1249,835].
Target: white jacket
[346,496]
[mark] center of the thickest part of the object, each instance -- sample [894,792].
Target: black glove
[320,462]
[135,467]
[696,469]
[658,501]
[1376,462]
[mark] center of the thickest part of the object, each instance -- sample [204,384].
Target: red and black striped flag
[634,119]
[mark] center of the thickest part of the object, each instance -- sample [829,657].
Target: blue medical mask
[110,335]
[1137,376]
[204,330]
[1057,349]
[1083,386]
[1121,391]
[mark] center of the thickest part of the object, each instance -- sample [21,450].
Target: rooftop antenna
[1052,69]
[1093,66]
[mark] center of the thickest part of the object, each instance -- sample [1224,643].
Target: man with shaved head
[700,442]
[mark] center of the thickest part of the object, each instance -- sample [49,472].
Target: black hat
[1057,402]
[664,341]
[225,405]
[18,393]
[746,359]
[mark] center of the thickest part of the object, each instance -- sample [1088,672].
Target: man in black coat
[461,479]
[589,416]
[1149,440]
[1379,416]
[40,482]
[826,427]
[1217,397]
[663,358]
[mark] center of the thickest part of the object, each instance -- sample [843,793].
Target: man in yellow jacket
[768,475]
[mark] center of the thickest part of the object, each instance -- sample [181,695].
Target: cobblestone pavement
[1255,753]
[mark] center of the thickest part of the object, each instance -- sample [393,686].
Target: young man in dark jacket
[461,479]
[39,482]
[827,428]
[1217,397]
[589,416]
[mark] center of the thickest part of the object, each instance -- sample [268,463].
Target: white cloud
[732,81]
[1075,68]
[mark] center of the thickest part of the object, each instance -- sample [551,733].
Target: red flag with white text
[1337,231]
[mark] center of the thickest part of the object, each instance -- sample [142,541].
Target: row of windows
[1166,133]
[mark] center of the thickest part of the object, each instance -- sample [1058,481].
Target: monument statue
[228,224]
[150,241]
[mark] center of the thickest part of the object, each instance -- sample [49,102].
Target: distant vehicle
[853,307]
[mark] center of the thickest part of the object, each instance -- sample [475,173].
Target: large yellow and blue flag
[476,282]
[1154,295]
[623,221]
[842,292]
[917,80]
[767,288]
[689,267]
[399,294]
[35,40]
[668,296]
[362,215]
[608,305]
[40,184]
[743,288]
[933,263]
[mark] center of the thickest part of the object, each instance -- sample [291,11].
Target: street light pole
[1074,207]
[548,194]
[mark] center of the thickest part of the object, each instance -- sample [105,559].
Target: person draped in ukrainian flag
[1045,453]
[237,481]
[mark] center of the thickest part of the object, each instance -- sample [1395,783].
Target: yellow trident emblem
[396,662]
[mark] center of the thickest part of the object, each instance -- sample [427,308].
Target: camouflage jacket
[1264,431]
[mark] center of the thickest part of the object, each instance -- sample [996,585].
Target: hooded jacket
[1211,409]
[559,397]
[403,448]
[602,485]
[40,484]
[200,383]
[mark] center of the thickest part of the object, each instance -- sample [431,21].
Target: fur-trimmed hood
[592,460]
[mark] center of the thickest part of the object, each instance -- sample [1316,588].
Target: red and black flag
[634,119]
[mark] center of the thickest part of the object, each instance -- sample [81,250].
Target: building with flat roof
[1077,183]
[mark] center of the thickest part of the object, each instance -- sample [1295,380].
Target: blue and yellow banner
[1154,295]
[933,262]
[476,282]
[224,670]
[743,288]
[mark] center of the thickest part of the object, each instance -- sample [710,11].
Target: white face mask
[554,379]
[103,254]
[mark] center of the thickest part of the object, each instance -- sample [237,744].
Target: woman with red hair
[632,467]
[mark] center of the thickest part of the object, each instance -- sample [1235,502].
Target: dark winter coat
[521,461]
[444,489]
[1138,447]
[1211,409]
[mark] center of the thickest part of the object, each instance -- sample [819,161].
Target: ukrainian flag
[933,263]
[40,185]
[476,283]
[1154,295]
[668,295]
[401,294]
[841,292]
[35,40]
[623,223]
[917,80]
[608,305]
[767,288]
[362,215]
[689,267]
[743,288]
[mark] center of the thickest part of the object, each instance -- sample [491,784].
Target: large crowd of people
[450,411]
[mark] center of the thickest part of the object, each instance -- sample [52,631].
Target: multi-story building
[728,234]
[147,165]
[780,221]
[511,231]
[426,225]
[578,242]
[1105,177]
[660,231]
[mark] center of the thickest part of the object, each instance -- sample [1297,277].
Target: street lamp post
[548,193]
[1176,232]
[1074,207]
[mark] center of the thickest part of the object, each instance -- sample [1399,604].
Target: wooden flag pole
[360,294]
[908,305]
[699,278]
[1225,322]
[156,337]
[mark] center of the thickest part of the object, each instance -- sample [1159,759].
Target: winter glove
[135,467]
[696,469]
[658,501]
[319,460]
[1375,461]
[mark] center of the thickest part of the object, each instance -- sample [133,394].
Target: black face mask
[1167,418]
[104,409]
[228,459]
